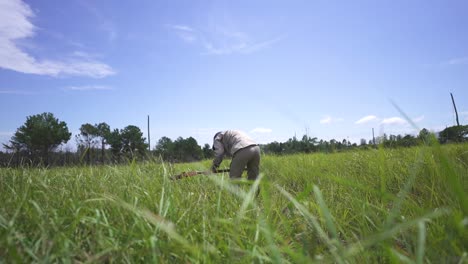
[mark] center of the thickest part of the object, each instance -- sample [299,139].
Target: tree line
[453,134]
[38,141]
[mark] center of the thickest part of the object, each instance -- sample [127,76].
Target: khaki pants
[247,157]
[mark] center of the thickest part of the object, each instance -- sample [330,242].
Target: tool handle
[193,173]
[222,170]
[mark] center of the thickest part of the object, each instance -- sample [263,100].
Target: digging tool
[193,173]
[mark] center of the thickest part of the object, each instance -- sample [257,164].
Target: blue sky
[271,68]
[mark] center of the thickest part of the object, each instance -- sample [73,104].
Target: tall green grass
[393,206]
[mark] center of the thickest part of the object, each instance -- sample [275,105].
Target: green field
[373,206]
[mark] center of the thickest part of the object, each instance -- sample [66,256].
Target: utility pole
[149,141]
[455,107]
[373,137]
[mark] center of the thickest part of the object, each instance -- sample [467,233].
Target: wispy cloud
[260,45]
[263,135]
[418,119]
[387,121]
[261,130]
[326,120]
[235,43]
[16,92]
[103,23]
[109,27]
[88,88]
[453,62]
[329,120]
[394,121]
[456,61]
[220,40]
[366,119]
[182,28]
[15,24]
[186,33]
[6,134]
[464,115]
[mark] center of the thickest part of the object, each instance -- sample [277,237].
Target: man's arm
[219,154]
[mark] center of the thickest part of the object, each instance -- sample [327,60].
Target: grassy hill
[398,205]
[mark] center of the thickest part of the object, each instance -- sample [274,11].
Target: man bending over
[244,151]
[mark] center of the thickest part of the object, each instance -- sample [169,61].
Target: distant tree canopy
[208,153]
[454,134]
[180,150]
[133,142]
[40,135]
[425,135]
[103,131]
[90,137]
[86,140]
[128,142]
[188,149]
[115,142]
[308,144]
[165,148]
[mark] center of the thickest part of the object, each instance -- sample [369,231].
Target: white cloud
[326,120]
[261,130]
[15,24]
[418,119]
[220,40]
[235,43]
[400,121]
[6,134]
[206,131]
[366,119]
[329,120]
[394,121]
[464,115]
[88,88]
[17,92]
[260,45]
[181,28]
[436,129]
[456,61]
[186,33]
